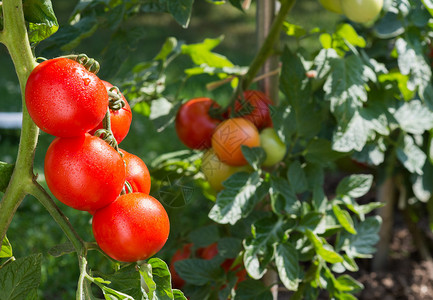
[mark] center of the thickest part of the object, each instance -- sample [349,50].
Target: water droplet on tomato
[86,81]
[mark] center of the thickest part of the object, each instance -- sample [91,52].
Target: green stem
[39,192]
[268,45]
[14,36]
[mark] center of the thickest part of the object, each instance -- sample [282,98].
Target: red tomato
[260,116]
[193,124]
[132,228]
[228,138]
[120,119]
[180,254]
[137,173]
[64,99]
[84,172]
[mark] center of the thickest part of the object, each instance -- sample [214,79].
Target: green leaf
[355,186]
[428,4]
[169,45]
[147,284]
[362,244]
[41,18]
[297,178]
[162,278]
[201,54]
[289,270]
[371,154]
[294,30]
[252,289]
[127,281]
[62,249]
[347,283]
[19,278]
[410,155]
[5,175]
[283,198]
[422,185]
[389,26]
[199,271]
[229,247]
[414,117]
[205,235]
[323,249]
[6,248]
[180,10]
[309,222]
[320,151]
[344,218]
[238,199]
[354,136]
[259,248]
[255,156]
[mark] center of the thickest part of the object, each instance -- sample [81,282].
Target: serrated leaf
[352,137]
[344,218]
[309,222]
[199,271]
[283,197]
[259,249]
[127,281]
[6,171]
[255,156]
[297,178]
[410,155]
[162,278]
[205,235]
[362,244]
[286,260]
[41,18]
[355,186]
[20,277]
[324,250]
[239,197]
[414,117]
[201,54]
[6,248]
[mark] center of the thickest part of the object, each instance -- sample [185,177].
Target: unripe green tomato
[332,5]
[216,172]
[274,148]
[361,11]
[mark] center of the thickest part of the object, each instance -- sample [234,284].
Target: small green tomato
[274,148]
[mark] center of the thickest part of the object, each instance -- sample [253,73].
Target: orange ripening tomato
[228,138]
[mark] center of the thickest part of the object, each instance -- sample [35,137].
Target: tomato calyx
[106,134]
[90,64]
[115,99]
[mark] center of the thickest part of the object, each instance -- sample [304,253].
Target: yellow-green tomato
[332,5]
[274,148]
[361,11]
[216,172]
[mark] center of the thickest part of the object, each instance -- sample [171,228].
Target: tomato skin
[137,173]
[120,119]
[361,11]
[84,172]
[64,99]
[332,5]
[274,148]
[180,254]
[134,227]
[228,138]
[193,124]
[216,172]
[260,116]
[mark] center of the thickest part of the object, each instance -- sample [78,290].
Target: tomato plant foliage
[364,94]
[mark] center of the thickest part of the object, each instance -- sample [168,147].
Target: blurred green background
[32,229]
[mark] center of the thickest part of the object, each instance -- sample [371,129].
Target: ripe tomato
[180,254]
[332,5]
[216,172]
[361,11]
[275,149]
[193,124]
[260,116]
[137,173]
[228,138]
[64,99]
[132,228]
[84,172]
[120,119]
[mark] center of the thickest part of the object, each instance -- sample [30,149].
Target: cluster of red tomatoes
[85,172]
[206,253]
[223,138]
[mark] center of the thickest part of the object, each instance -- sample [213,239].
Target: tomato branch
[268,45]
